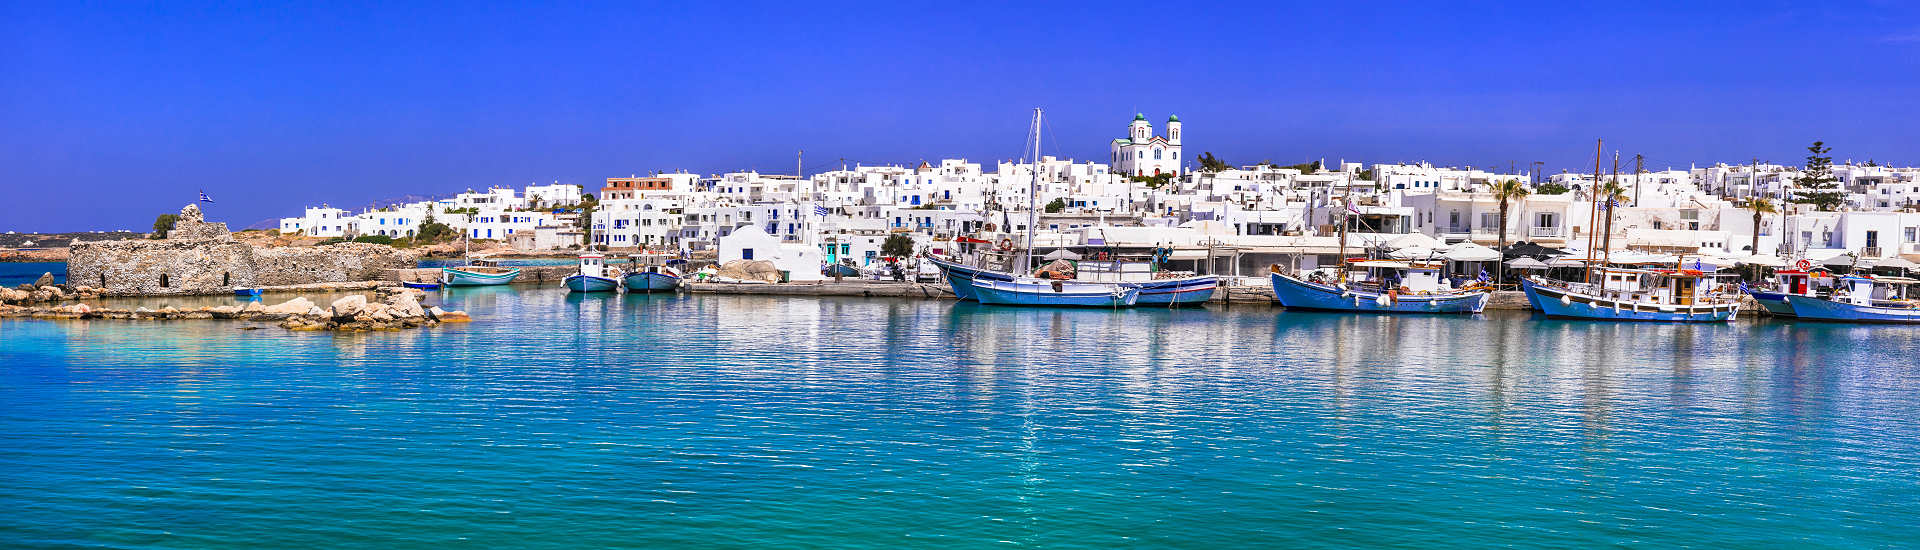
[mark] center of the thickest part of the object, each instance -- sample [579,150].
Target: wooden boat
[841,270]
[1180,291]
[1674,296]
[594,276]
[651,274]
[1860,299]
[1412,288]
[422,286]
[246,292]
[1042,292]
[478,274]
[962,277]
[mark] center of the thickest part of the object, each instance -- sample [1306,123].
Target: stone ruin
[201,257]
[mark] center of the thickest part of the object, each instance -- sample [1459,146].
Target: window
[1909,233]
[746,253]
[1873,239]
[1156,154]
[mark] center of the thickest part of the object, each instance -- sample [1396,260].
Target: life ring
[1803,265]
[1006,244]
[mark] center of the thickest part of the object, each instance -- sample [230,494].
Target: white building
[1143,154]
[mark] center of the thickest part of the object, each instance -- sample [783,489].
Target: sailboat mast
[1033,191]
[1593,210]
[1346,202]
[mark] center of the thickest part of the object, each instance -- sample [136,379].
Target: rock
[81,309]
[455,317]
[295,306]
[42,295]
[253,307]
[46,279]
[56,292]
[404,305]
[348,306]
[11,295]
[315,311]
[142,309]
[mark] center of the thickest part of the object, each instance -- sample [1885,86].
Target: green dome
[1173,118]
[1139,116]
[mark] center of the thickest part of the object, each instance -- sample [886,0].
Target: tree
[1306,167]
[1816,183]
[897,245]
[587,204]
[1550,188]
[1612,195]
[433,231]
[1210,163]
[1760,207]
[1155,181]
[1507,191]
[1057,205]
[163,224]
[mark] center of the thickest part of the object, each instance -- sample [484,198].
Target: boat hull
[1294,293]
[842,270]
[1772,303]
[421,286]
[962,277]
[652,282]
[1015,293]
[454,276]
[1815,309]
[246,292]
[1176,292]
[589,283]
[1562,304]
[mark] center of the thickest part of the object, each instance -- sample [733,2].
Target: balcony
[1538,232]
[1870,252]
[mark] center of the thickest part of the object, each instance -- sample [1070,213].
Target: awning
[1897,263]
[1188,255]
[1061,254]
[1469,252]
[1524,262]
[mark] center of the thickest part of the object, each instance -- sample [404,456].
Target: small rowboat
[246,292]
[594,276]
[422,286]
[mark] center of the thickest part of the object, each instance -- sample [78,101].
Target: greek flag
[1484,277]
[203,197]
[819,210]
[1744,289]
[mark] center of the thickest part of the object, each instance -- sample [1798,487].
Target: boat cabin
[1872,291]
[1804,283]
[1661,286]
[593,265]
[1405,276]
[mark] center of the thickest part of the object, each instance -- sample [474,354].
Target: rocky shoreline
[392,308]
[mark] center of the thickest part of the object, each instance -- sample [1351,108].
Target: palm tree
[1611,194]
[1509,190]
[1760,207]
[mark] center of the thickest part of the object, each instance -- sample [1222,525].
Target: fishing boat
[421,285]
[1177,291]
[650,274]
[1861,299]
[962,277]
[1662,295]
[594,275]
[478,273]
[1391,287]
[246,292]
[1042,292]
[1802,282]
[841,270]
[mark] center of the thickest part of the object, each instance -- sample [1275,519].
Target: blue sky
[112,113]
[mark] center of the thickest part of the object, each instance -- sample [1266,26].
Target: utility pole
[1753,177]
[1639,165]
[1606,241]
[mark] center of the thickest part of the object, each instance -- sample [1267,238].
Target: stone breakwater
[392,308]
[200,257]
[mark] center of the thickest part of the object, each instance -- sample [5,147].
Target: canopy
[1413,253]
[1763,260]
[1530,249]
[1061,254]
[1413,240]
[1524,262]
[1469,252]
[1897,263]
[1845,260]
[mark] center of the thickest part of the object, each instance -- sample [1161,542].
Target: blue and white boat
[650,274]
[1773,301]
[478,274]
[1858,299]
[421,286]
[245,292]
[1042,292]
[1181,291]
[1672,296]
[962,277]
[1411,288]
[594,276]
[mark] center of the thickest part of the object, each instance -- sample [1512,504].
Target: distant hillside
[60,240]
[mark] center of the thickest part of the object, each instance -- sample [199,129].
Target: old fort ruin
[201,257]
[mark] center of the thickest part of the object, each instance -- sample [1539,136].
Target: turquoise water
[658,421]
[14,274]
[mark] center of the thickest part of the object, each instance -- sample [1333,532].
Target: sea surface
[14,274]
[566,421]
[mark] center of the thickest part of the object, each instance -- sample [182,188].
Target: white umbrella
[1469,252]
[1412,253]
[1413,240]
[1061,254]
[1763,260]
[1897,262]
[1524,262]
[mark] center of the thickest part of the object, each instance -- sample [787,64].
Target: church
[1143,154]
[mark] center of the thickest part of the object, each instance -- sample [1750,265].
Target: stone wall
[145,267]
[198,257]
[327,264]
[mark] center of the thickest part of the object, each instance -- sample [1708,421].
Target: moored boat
[650,274]
[594,276]
[478,274]
[1413,289]
[1674,296]
[1861,299]
[1773,300]
[1042,292]
[246,292]
[421,286]
[1178,291]
[962,277]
